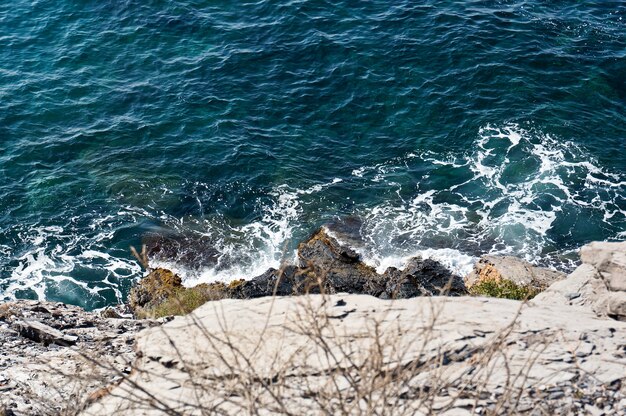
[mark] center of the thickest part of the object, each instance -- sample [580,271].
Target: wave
[517,191]
[514,194]
[79,266]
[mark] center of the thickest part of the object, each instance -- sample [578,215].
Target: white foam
[251,249]
[507,215]
[457,262]
[51,254]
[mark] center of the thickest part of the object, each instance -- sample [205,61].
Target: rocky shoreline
[58,358]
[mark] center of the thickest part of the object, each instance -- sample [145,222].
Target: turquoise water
[450,129]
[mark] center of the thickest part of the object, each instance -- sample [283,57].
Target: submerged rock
[191,251]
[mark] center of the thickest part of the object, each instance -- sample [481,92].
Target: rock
[486,349]
[332,267]
[38,332]
[280,282]
[511,268]
[110,313]
[421,277]
[616,305]
[39,377]
[325,266]
[153,289]
[609,260]
[338,268]
[193,251]
[598,283]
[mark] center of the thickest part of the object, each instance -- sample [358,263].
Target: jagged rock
[335,267]
[328,266]
[596,284]
[582,287]
[616,305]
[511,268]
[422,277]
[110,313]
[38,332]
[153,289]
[325,266]
[39,377]
[609,260]
[279,282]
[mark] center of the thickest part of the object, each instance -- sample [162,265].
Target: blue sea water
[450,129]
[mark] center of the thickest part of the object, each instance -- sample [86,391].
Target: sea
[446,129]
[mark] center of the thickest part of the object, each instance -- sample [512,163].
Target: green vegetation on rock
[185,300]
[503,288]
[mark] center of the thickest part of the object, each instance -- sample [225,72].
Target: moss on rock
[161,293]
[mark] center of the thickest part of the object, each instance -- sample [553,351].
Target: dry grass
[386,368]
[309,363]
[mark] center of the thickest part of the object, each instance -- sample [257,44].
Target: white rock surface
[53,356]
[514,269]
[462,355]
[598,284]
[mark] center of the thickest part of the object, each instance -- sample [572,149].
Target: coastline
[581,314]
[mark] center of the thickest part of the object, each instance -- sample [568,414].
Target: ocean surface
[448,129]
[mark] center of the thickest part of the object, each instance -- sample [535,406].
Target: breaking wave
[518,191]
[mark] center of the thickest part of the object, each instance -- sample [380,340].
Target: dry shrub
[308,362]
[305,360]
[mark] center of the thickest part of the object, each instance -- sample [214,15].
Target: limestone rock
[52,355]
[609,260]
[442,353]
[597,284]
[514,269]
[38,332]
[616,305]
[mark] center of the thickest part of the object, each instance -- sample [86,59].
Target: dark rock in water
[348,230]
[421,277]
[272,282]
[332,267]
[326,265]
[324,251]
[341,270]
[191,251]
[433,277]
